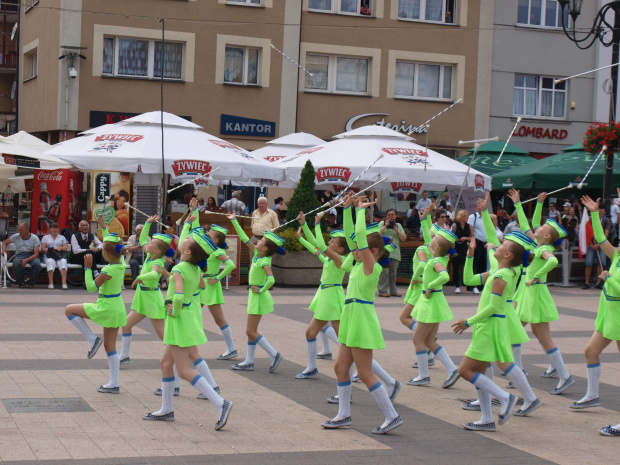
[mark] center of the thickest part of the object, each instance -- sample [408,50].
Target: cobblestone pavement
[276,418]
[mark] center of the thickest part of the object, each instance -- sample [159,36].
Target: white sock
[167,396]
[203,369]
[176,376]
[114,365]
[556,360]
[262,341]
[249,357]
[381,397]
[484,383]
[325,341]
[331,333]
[311,355]
[486,407]
[516,354]
[383,375]
[422,364]
[445,359]
[344,400]
[228,337]
[125,345]
[489,373]
[594,378]
[83,328]
[201,384]
[516,375]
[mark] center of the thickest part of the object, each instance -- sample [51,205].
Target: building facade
[391,62]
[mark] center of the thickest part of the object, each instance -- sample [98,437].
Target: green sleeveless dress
[490,341]
[329,298]
[259,304]
[536,304]
[109,310]
[359,324]
[414,292]
[148,299]
[608,317]
[212,293]
[434,309]
[185,330]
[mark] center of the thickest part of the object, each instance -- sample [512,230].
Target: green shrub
[304,197]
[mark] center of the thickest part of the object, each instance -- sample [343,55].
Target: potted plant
[299,267]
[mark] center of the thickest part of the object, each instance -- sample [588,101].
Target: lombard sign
[400,127]
[237,126]
[541,133]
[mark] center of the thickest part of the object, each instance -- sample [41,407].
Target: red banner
[56,198]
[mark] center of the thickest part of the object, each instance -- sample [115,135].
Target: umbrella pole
[509,137]
[471,162]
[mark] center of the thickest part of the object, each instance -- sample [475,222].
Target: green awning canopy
[485,163]
[569,166]
[496,146]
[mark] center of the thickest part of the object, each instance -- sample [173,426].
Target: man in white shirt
[480,255]
[424,202]
[234,204]
[84,243]
[263,219]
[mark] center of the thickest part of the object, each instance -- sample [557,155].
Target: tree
[304,197]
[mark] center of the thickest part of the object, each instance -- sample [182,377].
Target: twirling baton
[466,142]
[339,196]
[580,185]
[332,206]
[139,211]
[200,176]
[548,193]
[437,115]
[509,137]
[471,162]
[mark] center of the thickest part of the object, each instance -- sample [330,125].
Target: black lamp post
[609,36]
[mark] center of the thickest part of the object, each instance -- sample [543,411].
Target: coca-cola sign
[49,176]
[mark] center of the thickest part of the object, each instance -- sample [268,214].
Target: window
[30,64]
[442,11]
[337,74]
[131,57]
[241,65]
[538,96]
[543,13]
[423,80]
[251,2]
[348,7]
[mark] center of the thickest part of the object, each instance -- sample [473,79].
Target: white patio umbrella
[283,147]
[340,162]
[27,151]
[135,145]
[17,183]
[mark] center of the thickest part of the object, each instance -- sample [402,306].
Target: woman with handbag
[54,246]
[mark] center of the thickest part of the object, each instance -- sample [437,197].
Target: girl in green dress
[108,311]
[360,331]
[329,298]
[607,325]
[260,301]
[490,339]
[183,328]
[148,301]
[536,306]
[431,309]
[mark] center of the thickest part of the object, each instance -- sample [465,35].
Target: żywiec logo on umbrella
[274,157]
[299,154]
[479,183]
[403,151]
[184,167]
[110,142]
[413,187]
[333,174]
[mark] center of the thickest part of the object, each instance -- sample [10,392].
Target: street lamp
[600,30]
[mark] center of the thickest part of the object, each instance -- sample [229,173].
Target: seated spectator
[413,221]
[211,205]
[54,247]
[234,204]
[26,251]
[442,219]
[513,225]
[332,222]
[411,208]
[201,204]
[280,208]
[135,255]
[84,243]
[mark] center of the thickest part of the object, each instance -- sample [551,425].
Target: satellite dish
[13,90]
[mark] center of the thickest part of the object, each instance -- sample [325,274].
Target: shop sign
[99,118]
[237,126]
[402,127]
[541,133]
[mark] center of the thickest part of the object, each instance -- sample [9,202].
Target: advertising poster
[117,186]
[56,198]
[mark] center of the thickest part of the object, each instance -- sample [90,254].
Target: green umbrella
[557,171]
[487,155]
